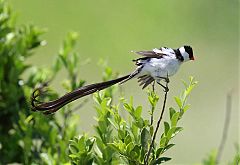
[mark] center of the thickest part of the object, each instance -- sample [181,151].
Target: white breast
[162,67]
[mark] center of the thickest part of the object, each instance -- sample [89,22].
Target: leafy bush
[28,137]
[127,140]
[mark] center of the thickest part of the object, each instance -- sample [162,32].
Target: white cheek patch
[182,50]
[184,53]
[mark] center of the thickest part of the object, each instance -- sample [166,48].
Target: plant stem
[226,127]
[153,89]
[158,124]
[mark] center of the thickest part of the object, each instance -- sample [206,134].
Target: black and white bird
[155,65]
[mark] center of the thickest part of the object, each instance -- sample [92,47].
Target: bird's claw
[165,89]
[167,80]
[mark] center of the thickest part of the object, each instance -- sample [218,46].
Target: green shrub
[28,137]
[126,140]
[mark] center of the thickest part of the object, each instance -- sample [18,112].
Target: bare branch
[153,89]
[226,127]
[158,124]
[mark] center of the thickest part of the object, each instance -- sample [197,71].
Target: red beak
[192,58]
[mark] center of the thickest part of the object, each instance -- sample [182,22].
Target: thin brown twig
[225,127]
[151,120]
[158,124]
[153,89]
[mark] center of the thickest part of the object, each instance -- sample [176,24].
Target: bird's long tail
[53,106]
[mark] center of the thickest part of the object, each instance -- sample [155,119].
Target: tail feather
[53,106]
[133,74]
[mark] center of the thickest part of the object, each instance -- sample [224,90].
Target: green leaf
[64,60]
[81,144]
[170,133]
[160,160]
[172,111]
[121,134]
[152,98]
[113,123]
[73,156]
[185,83]
[73,149]
[130,146]
[57,65]
[114,147]
[135,131]
[186,107]
[145,139]
[178,101]
[137,149]
[166,127]
[98,151]
[81,83]
[46,158]
[135,153]
[138,112]
[174,119]
[168,147]
[128,107]
[177,130]
[89,143]
[159,152]
[163,141]
[139,123]
[127,139]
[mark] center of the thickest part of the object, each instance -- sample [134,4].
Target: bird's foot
[167,80]
[165,88]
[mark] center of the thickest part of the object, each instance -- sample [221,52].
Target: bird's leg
[153,86]
[164,87]
[165,78]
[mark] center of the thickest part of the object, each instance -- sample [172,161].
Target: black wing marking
[145,80]
[150,53]
[147,55]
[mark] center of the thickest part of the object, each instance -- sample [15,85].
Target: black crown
[189,50]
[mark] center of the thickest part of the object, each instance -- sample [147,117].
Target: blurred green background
[109,30]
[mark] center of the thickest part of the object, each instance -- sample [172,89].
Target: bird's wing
[155,53]
[166,50]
